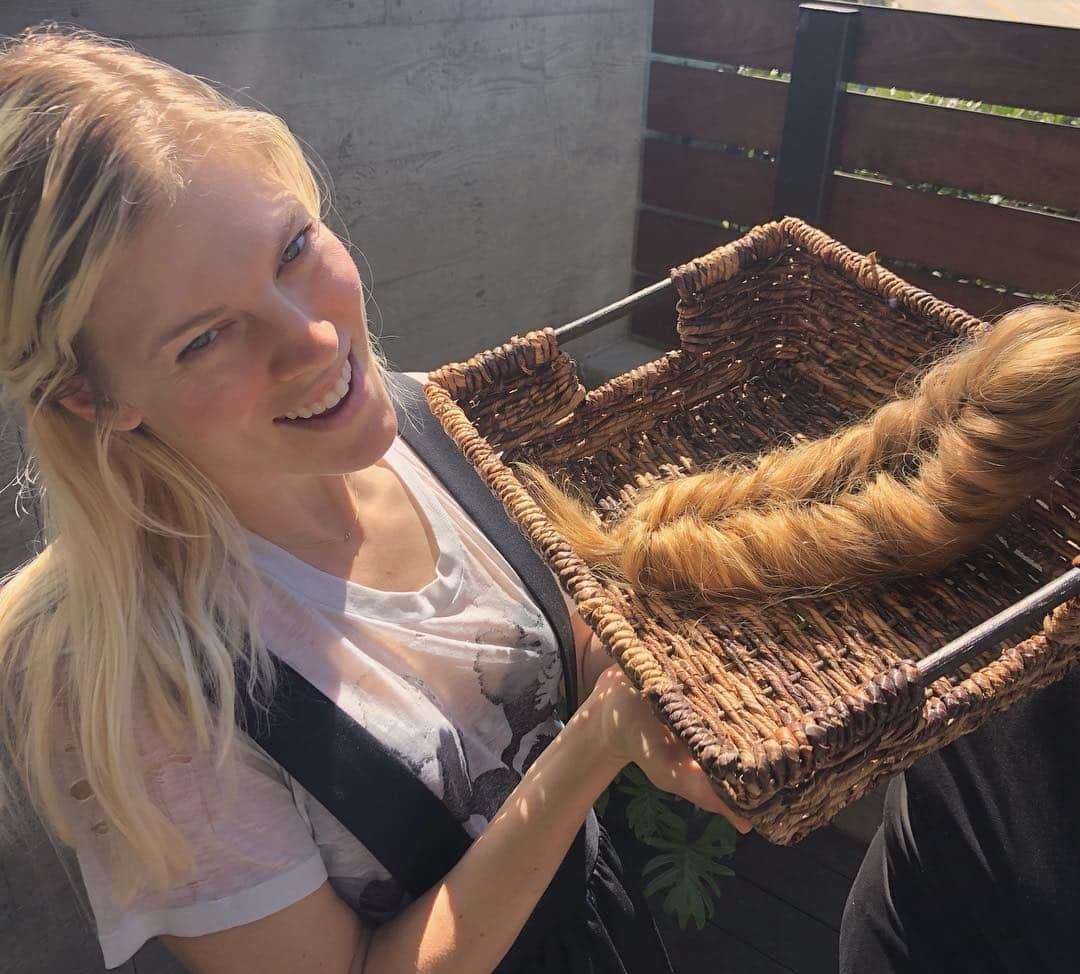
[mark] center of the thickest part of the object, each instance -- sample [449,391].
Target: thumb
[699,790]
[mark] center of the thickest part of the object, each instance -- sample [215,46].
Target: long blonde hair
[144,585]
[924,478]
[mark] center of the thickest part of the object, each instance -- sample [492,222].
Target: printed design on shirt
[417,683]
[523,693]
[551,672]
[526,696]
[540,742]
[454,770]
[450,757]
[490,790]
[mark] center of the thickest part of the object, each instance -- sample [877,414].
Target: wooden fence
[717,141]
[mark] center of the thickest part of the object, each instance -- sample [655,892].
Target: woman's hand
[630,731]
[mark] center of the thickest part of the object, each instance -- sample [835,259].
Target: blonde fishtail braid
[920,481]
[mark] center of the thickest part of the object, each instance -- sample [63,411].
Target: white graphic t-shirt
[460,678]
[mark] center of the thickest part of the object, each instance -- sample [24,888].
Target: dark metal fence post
[824,46]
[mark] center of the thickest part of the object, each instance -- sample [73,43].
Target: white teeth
[332,398]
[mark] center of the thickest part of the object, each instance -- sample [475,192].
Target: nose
[300,342]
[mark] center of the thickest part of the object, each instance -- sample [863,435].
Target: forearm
[466,923]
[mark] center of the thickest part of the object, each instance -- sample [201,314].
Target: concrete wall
[485,153]
[485,157]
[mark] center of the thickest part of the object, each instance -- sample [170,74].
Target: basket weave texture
[797,707]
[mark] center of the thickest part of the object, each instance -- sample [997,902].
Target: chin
[387,435]
[375,438]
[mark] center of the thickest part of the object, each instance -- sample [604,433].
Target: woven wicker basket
[794,709]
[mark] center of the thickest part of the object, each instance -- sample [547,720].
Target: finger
[742,825]
[673,769]
[704,795]
[680,774]
[693,784]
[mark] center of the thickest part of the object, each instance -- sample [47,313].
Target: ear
[81,402]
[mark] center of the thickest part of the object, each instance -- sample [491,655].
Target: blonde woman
[223,485]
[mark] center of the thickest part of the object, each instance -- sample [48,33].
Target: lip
[342,412]
[329,383]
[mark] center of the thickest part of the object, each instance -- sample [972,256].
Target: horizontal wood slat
[996,243]
[818,891]
[1032,161]
[654,320]
[802,944]
[716,106]
[691,950]
[992,61]
[707,184]
[664,242]
[757,33]
[999,62]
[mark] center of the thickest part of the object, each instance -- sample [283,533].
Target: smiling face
[284,334]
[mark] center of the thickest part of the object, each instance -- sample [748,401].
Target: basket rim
[691,279]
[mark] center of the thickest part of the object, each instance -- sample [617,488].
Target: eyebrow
[205,317]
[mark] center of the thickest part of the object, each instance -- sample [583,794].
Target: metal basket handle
[613,312]
[997,627]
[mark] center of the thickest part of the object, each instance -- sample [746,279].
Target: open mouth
[330,404]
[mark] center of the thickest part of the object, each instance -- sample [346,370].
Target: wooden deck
[780,913]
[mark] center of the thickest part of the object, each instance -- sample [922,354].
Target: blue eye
[299,242]
[205,340]
[291,253]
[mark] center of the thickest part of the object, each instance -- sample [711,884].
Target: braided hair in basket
[921,480]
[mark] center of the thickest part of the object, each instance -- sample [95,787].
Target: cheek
[212,408]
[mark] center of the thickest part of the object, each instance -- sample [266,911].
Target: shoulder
[404,394]
[245,847]
[399,388]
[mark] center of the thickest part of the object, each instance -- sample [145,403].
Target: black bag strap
[427,437]
[400,821]
[363,785]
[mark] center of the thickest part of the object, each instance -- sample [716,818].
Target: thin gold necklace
[348,532]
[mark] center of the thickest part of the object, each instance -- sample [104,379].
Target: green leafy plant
[690,843]
[650,812]
[687,870]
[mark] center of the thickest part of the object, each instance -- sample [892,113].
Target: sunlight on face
[230,310]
